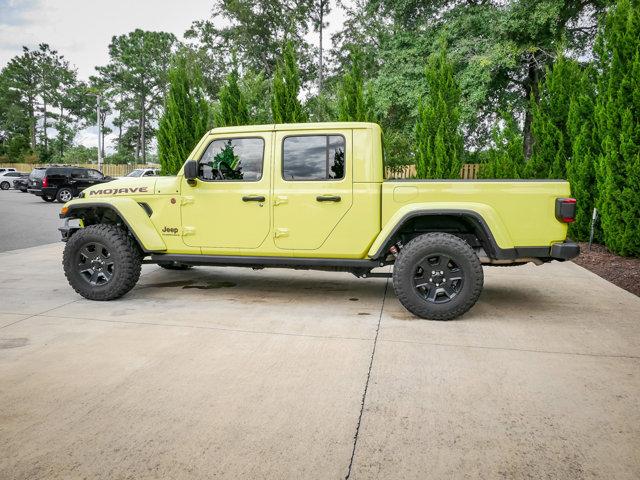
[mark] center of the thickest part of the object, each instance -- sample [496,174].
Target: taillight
[45,182]
[566,209]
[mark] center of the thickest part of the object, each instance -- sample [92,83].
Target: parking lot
[27,220]
[234,373]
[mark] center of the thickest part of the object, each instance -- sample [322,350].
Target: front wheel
[102,262]
[5,185]
[437,276]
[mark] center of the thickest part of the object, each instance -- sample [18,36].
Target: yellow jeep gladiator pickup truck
[313,196]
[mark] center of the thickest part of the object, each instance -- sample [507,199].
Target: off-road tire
[5,185]
[431,245]
[122,249]
[64,195]
[48,199]
[175,266]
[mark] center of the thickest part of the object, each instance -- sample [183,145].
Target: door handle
[253,198]
[328,198]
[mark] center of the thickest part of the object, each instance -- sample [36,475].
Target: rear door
[312,187]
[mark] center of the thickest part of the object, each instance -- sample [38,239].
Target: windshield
[136,173]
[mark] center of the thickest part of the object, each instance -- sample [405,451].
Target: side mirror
[191,171]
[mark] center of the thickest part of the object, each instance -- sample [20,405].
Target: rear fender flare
[485,218]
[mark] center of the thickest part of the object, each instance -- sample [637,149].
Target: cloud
[16,12]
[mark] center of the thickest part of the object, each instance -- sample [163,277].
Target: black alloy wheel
[94,264]
[437,276]
[438,279]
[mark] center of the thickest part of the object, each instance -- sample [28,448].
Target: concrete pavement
[234,373]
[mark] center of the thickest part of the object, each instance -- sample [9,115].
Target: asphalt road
[27,220]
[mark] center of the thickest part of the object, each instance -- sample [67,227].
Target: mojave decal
[116,191]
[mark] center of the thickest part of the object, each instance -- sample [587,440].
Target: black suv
[63,183]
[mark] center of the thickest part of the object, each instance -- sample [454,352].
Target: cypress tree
[354,105]
[232,109]
[552,146]
[618,121]
[186,115]
[439,144]
[506,158]
[285,106]
[584,153]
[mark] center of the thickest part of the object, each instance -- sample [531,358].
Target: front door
[227,207]
[312,187]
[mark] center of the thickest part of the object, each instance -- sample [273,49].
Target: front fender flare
[484,215]
[132,214]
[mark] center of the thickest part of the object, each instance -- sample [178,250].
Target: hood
[126,186]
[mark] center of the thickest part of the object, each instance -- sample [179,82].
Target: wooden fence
[469,171]
[109,169]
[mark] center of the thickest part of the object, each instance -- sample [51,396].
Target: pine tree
[584,153]
[506,158]
[186,115]
[354,104]
[439,144]
[618,124]
[552,146]
[232,109]
[285,106]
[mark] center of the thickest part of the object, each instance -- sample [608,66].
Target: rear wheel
[64,195]
[102,262]
[437,276]
[5,185]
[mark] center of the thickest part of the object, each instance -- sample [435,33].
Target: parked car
[63,183]
[7,178]
[22,182]
[144,172]
[2,170]
[312,196]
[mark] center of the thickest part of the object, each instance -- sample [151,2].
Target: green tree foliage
[285,105]
[41,91]
[256,89]
[551,147]
[186,115]
[505,159]
[232,107]
[137,71]
[585,149]
[439,144]
[256,31]
[354,103]
[618,121]
[500,51]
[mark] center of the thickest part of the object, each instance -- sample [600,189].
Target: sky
[81,30]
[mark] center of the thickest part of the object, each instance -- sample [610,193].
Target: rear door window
[313,157]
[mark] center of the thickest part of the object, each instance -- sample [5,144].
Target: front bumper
[67,230]
[565,250]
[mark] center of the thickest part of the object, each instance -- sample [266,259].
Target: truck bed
[519,213]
